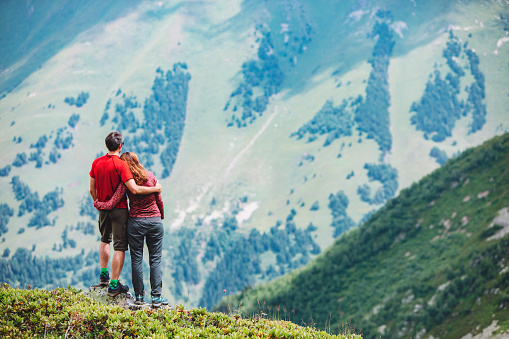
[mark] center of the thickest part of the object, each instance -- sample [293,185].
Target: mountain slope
[34,31]
[431,263]
[260,119]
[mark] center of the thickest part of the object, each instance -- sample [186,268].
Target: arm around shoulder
[115,199]
[143,190]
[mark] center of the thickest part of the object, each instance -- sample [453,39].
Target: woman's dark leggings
[139,229]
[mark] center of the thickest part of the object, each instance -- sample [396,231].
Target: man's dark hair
[113,140]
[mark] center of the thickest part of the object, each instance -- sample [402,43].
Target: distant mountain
[33,31]
[432,263]
[273,126]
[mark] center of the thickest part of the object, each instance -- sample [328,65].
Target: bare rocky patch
[502,219]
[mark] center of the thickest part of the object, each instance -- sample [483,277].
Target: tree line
[262,75]
[6,212]
[439,108]
[338,204]
[80,100]
[239,259]
[164,115]
[30,203]
[387,176]
[335,122]
[372,113]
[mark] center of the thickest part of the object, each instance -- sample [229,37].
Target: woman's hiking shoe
[113,291]
[104,281]
[140,299]
[158,301]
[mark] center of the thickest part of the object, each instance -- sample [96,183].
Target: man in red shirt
[106,174]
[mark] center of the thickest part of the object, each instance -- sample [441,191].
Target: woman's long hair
[136,168]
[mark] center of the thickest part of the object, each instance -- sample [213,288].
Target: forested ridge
[427,262]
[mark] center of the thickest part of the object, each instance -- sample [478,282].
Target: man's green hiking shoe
[112,292]
[104,281]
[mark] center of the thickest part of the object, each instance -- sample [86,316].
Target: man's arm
[143,190]
[93,191]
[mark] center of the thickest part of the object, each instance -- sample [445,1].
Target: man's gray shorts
[113,225]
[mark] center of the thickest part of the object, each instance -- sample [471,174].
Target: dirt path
[237,158]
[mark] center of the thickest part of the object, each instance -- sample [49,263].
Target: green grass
[67,313]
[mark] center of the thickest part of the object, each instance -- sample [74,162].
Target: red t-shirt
[108,171]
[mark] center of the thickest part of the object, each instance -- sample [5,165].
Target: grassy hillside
[431,263]
[246,199]
[68,313]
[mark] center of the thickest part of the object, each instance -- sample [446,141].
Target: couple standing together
[111,176]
